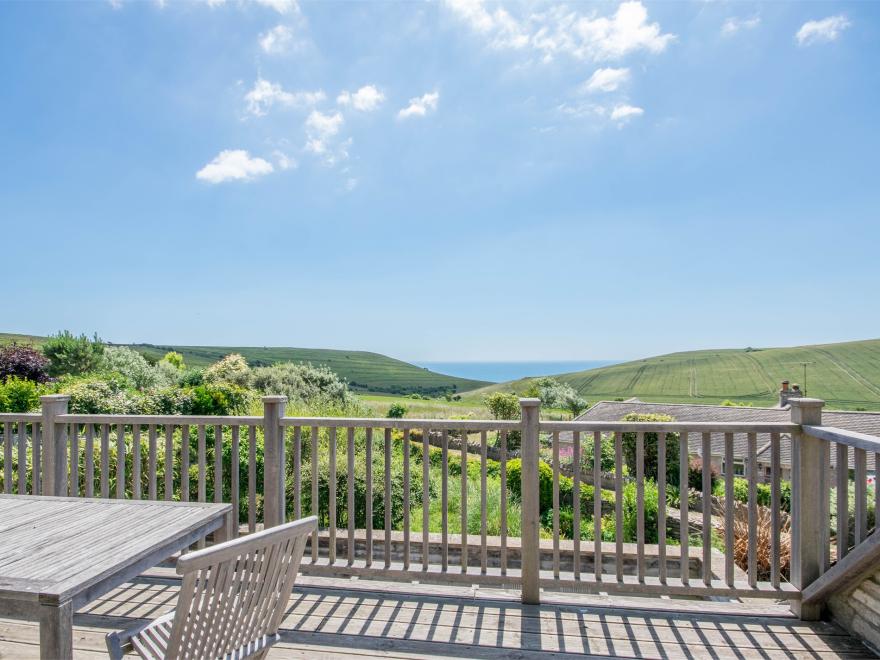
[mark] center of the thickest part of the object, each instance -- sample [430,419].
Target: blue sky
[442,181]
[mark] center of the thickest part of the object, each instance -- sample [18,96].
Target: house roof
[862,422]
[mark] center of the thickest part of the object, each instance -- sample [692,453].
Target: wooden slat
[105,460]
[842,468]
[555,459]
[484,551]
[388,445]
[234,475]
[120,461]
[683,526]
[331,479]
[201,460]
[73,466]
[640,504]
[169,462]
[464,512]
[707,508]
[876,490]
[218,463]
[22,458]
[315,508]
[728,509]
[618,504]
[407,487]
[36,466]
[753,508]
[860,493]
[369,502]
[576,503]
[597,505]
[444,500]
[297,470]
[349,457]
[7,457]
[152,480]
[90,460]
[502,440]
[136,461]
[661,506]
[775,505]
[426,495]
[184,462]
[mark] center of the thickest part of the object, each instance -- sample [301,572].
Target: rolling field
[846,375]
[364,371]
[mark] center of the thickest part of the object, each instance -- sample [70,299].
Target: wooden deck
[352,619]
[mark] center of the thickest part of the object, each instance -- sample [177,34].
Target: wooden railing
[393,506]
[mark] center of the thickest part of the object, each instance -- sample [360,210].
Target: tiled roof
[612,411]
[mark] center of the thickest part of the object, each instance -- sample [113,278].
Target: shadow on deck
[330,618]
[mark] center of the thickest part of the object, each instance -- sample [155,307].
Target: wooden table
[59,553]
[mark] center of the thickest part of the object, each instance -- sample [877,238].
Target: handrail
[14,417]
[671,427]
[846,573]
[844,437]
[177,420]
[388,423]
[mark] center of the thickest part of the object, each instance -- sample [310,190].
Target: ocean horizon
[499,372]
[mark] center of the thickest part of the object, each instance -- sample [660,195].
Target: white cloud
[606,80]
[265,94]
[284,161]
[320,129]
[277,40]
[733,25]
[324,124]
[366,99]
[281,6]
[625,112]
[420,105]
[561,30]
[828,29]
[234,165]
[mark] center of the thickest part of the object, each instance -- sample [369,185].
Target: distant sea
[498,372]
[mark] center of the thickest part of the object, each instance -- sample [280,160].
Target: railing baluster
[297,469]
[860,492]
[73,481]
[387,536]
[369,502]
[661,505]
[728,509]
[315,508]
[707,508]
[753,508]
[618,504]
[444,500]
[597,505]
[201,459]
[7,457]
[332,499]
[151,463]
[502,439]
[640,504]
[555,504]
[184,462]
[252,480]
[775,488]
[576,503]
[90,460]
[426,500]
[218,462]
[464,511]
[234,478]
[136,461]
[105,460]
[406,505]
[842,500]
[22,458]
[484,517]
[169,462]
[36,467]
[683,524]
[349,457]
[120,461]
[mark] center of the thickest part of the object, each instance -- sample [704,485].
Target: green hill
[368,372]
[846,375]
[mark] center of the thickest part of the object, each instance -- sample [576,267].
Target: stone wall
[858,611]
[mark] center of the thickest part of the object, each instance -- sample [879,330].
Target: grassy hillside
[370,372]
[846,375]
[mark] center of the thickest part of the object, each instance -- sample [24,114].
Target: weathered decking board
[369,619]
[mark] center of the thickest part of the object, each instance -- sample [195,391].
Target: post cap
[274,398]
[54,398]
[803,402]
[529,403]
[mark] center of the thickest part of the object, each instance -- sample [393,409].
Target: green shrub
[651,443]
[132,366]
[396,411]
[18,395]
[232,369]
[218,398]
[73,355]
[695,474]
[24,362]
[302,382]
[763,492]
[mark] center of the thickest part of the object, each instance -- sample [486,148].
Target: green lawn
[846,375]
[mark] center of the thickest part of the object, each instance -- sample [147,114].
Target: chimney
[787,393]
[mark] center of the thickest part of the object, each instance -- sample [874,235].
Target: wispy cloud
[823,31]
[277,40]
[234,165]
[624,112]
[420,105]
[281,6]
[560,30]
[321,128]
[606,80]
[265,94]
[733,25]
[284,161]
[366,99]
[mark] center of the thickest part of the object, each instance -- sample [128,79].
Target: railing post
[274,461]
[531,515]
[54,439]
[809,492]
